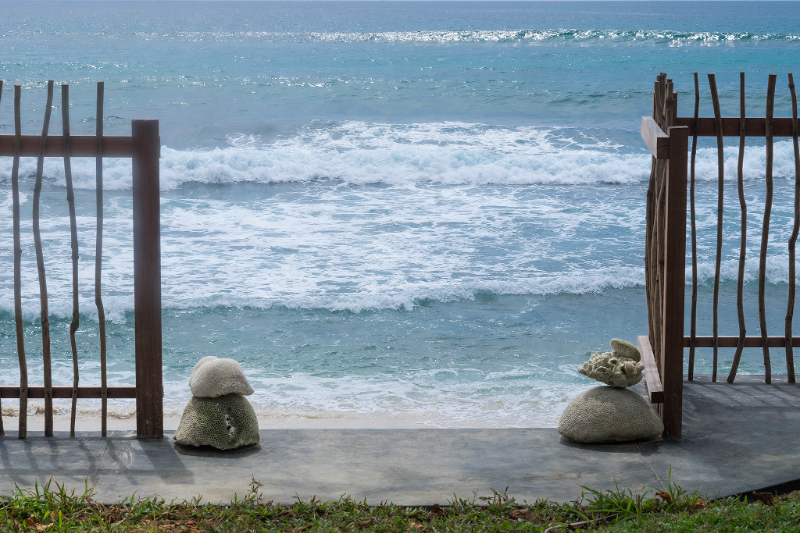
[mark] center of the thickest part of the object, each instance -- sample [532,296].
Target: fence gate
[665,241]
[143,148]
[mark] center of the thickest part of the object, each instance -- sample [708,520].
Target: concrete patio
[737,438]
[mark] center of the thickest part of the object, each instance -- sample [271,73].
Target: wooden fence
[143,148]
[667,134]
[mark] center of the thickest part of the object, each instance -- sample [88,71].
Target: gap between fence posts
[147,278]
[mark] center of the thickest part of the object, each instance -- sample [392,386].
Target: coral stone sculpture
[612,369]
[213,377]
[607,415]
[218,414]
[611,414]
[225,422]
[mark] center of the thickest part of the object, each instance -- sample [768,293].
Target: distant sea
[424,210]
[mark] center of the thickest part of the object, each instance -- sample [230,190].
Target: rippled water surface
[428,210]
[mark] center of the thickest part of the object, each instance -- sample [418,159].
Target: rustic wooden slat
[693,323]
[762,264]
[712,82]
[674,282]
[666,113]
[674,106]
[82,146]
[147,279]
[754,127]
[743,240]
[749,342]
[37,240]
[793,238]
[73,230]
[649,266]
[655,139]
[650,212]
[651,376]
[98,261]
[66,392]
[23,367]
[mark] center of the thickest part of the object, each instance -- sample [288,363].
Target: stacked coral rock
[612,413]
[218,414]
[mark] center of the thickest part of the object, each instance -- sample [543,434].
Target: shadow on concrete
[211,452]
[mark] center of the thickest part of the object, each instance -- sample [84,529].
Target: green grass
[51,508]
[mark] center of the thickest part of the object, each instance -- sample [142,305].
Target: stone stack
[218,414]
[612,413]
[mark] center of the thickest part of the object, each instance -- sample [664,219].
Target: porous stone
[607,415]
[613,370]
[226,422]
[626,349]
[213,377]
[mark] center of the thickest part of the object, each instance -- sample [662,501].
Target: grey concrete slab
[35,460]
[736,438]
[412,467]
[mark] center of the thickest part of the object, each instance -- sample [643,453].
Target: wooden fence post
[674,281]
[147,279]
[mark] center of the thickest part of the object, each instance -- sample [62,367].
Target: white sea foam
[504,36]
[448,221]
[461,209]
[444,153]
[357,152]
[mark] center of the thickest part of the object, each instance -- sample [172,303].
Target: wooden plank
[762,263]
[23,365]
[66,392]
[743,239]
[655,139]
[749,342]
[792,238]
[754,127]
[147,279]
[693,225]
[674,281]
[98,260]
[37,240]
[651,376]
[712,82]
[73,229]
[82,146]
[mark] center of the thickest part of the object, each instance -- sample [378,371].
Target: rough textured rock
[607,415]
[626,349]
[225,423]
[213,377]
[613,370]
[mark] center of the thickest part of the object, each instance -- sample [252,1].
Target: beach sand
[331,421]
[122,417]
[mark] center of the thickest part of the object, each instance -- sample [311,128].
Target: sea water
[420,211]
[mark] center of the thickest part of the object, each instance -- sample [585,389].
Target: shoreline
[61,423]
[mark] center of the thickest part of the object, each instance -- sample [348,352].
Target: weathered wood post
[674,281]
[147,279]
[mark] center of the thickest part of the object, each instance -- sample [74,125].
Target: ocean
[420,211]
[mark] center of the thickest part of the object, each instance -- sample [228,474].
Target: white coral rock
[626,349]
[612,369]
[213,377]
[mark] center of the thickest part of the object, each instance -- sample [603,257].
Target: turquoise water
[426,210]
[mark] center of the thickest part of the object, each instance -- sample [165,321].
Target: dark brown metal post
[674,281]
[147,279]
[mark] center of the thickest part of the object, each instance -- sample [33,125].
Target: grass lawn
[52,509]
